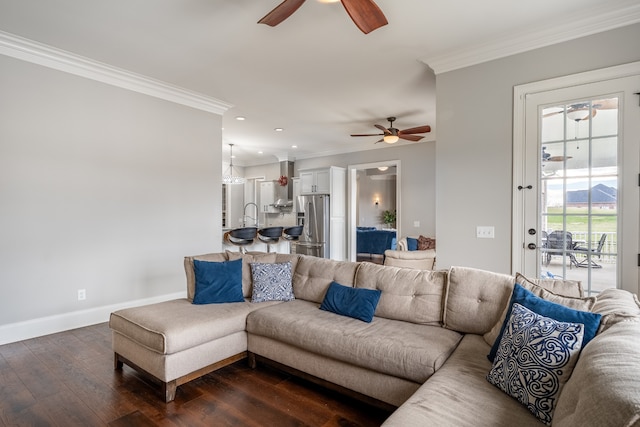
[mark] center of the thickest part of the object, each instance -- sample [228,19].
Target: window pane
[605,122]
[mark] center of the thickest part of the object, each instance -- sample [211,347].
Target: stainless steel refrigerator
[314,239]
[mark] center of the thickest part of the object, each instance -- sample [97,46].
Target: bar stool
[241,237]
[292,234]
[270,235]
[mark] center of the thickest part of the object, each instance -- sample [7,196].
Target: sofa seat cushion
[172,326]
[458,394]
[397,348]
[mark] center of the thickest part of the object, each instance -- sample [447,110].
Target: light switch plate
[485,232]
[416,224]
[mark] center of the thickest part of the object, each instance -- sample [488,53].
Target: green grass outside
[602,220]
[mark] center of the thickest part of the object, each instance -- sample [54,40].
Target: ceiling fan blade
[419,129]
[281,12]
[383,129]
[367,134]
[382,140]
[365,14]
[410,137]
[558,158]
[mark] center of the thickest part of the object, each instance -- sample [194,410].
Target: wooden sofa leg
[169,390]
[251,360]
[117,363]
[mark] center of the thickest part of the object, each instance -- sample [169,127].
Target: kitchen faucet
[245,216]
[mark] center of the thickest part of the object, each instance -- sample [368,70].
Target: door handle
[532,246]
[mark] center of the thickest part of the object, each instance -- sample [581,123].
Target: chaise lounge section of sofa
[423,353]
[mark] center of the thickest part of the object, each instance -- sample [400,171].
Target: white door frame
[352,192]
[519,137]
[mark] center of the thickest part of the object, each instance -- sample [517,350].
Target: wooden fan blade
[383,129]
[367,134]
[558,158]
[365,14]
[410,137]
[281,12]
[419,129]
[606,104]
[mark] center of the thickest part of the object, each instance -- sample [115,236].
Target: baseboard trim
[19,331]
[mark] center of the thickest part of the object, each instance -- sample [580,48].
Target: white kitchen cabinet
[317,181]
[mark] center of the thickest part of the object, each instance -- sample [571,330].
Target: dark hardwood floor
[67,379]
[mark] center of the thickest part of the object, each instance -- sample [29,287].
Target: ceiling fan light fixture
[391,139]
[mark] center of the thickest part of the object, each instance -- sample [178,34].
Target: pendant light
[228,177]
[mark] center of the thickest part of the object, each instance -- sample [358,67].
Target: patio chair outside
[590,253]
[560,242]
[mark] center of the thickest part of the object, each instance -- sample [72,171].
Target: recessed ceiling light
[328,1]
[241,118]
[259,152]
[294,146]
[278,129]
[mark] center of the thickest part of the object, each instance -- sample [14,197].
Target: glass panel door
[576,164]
[579,192]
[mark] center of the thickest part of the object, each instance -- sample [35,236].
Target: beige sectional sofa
[424,353]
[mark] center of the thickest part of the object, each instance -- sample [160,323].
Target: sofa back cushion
[603,389]
[411,295]
[312,276]
[615,306]
[247,259]
[567,288]
[550,290]
[188,269]
[475,299]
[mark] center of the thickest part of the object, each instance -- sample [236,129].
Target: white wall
[417,176]
[370,188]
[474,149]
[102,189]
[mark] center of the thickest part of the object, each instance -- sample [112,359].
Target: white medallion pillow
[271,282]
[535,359]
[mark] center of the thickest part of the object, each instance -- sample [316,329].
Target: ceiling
[315,75]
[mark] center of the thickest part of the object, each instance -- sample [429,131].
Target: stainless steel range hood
[286,169]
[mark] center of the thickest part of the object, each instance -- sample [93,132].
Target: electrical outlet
[485,232]
[82,294]
[416,224]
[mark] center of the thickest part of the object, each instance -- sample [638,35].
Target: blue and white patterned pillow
[271,282]
[535,359]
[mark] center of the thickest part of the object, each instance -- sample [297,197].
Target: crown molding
[47,56]
[514,44]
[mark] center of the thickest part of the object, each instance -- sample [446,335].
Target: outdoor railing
[610,248]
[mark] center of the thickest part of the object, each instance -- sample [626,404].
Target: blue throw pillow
[358,303]
[535,358]
[218,282]
[528,299]
[412,244]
